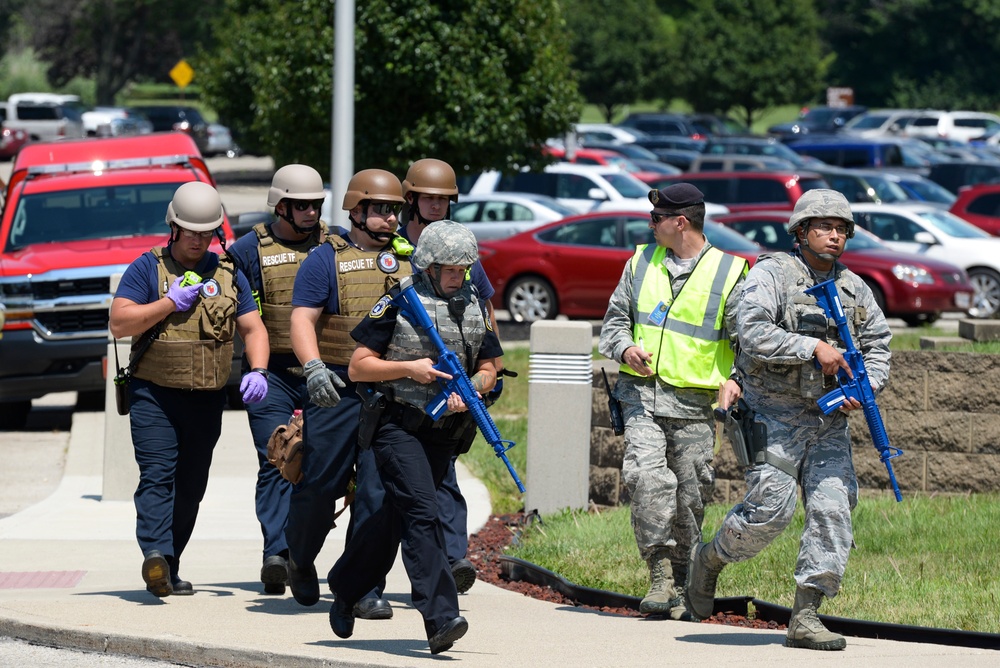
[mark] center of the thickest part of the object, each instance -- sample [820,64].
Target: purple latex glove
[253,387]
[185,297]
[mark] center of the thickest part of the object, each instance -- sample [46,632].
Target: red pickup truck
[77,212]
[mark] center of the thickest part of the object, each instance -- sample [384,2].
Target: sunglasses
[657,217]
[305,205]
[385,208]
[191,234]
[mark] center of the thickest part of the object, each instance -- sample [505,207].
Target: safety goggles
[305,205]
[385,208]
[191,234]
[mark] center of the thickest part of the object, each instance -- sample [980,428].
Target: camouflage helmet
[195,206]
[372,184]
[431,176]
[300,182]
[446,242]
[821,203]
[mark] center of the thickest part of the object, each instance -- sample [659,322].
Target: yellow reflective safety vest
[690,345]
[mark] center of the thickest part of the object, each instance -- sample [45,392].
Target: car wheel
[531,298]
[877,294]
[986,293]
[14,415]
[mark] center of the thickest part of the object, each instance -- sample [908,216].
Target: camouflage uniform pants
[668,472]
[829,491]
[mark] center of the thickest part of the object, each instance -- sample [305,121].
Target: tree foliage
[477,83]
[620,51]
[750,55]
[916,53]
[117,41]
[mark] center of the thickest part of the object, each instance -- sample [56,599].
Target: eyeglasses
[191,234]
[385,208]
[305,205]
[657,217]
[826,228]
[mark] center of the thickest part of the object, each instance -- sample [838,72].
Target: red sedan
[980,205]
[912,287]
[573,265]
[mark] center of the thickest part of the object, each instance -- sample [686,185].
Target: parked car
[582,188]
[115,122]
[220,142]
[654,142]
[663,124]
[748,191]
[979,205]
[961,125]
[726,162]
[45,116]
[501,215]
[178,118]
[572,266]
[933,233]
[677,157]
[586,132]
[11,139]
[854,152]
[766,146]
[77,212]
[954,175]
[922,188]
[822,120]
[879,123]
[913,287]
[713,125]
[597,156]
[866,185]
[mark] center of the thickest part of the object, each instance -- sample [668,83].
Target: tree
[619,51]
[478,83]
[750,55]
[117,41]
[916,53]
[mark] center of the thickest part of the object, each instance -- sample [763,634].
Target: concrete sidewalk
[69,576]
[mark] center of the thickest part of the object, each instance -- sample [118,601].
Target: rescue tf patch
[380,306]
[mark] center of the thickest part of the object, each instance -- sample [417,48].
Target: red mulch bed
[486,546]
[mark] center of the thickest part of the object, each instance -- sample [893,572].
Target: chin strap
[381,237]
[289,218]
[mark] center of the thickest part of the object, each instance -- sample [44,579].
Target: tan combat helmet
[195,206]
[298,182]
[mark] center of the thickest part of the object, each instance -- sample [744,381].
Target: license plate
[963,300]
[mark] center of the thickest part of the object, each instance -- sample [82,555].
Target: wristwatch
[263,372]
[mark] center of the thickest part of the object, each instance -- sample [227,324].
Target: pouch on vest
[218,319]
[284,448]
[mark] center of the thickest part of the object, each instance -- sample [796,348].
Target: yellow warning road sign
[182,73]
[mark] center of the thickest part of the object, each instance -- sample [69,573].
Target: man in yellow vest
[666,325]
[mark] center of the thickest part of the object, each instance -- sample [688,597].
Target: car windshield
[820,116]
[554,204]
[953,226]
[929,191]
[726,239]
[91,213]
[864,240]
[886,190]
[867,122]
[629,186]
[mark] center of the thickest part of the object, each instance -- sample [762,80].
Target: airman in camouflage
[788,355]
[666,325]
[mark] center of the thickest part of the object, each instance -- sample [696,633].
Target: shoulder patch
[378,310]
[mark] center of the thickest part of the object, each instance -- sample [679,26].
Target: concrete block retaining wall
[941,408]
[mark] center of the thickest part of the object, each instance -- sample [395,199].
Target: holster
[373,405]
[745,437]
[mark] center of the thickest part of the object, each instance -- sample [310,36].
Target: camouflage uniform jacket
[658,397]
[769,353]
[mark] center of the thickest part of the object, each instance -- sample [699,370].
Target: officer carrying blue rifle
[395,363]
[790,355]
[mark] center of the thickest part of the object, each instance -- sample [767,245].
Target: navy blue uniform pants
[411,467]
[285,394]
[174,432]
[330,443]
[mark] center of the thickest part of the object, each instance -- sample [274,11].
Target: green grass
[910,340]
[765,119]
[929,561]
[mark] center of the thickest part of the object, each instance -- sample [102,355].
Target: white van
[960,125]
[46,116]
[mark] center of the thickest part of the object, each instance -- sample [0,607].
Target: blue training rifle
[448,362]
[859,387]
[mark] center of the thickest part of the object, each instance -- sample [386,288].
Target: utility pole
[342,148]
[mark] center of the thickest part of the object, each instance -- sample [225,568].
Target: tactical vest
[362,277]
[409,342]
[279,263]
[691,346]
[194,348]
[803,315]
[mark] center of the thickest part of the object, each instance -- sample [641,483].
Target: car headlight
[909,273]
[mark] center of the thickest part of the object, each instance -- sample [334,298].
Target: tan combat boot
[699,595]
[678,611]
[661,589]
[805,629]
